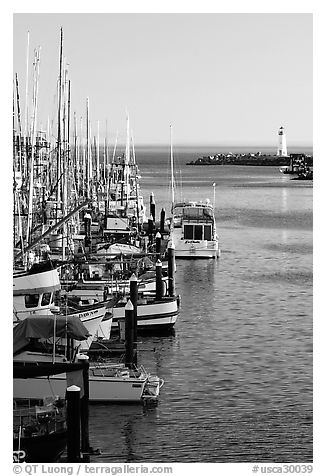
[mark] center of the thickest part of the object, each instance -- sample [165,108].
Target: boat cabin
[196,220]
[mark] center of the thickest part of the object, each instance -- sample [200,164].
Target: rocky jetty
[249,159]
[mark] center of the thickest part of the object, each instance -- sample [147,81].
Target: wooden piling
[87,224]
[150,229]
[158,241]
[171,269]
[84,401]
[152,211]
[129,334]
[162,221]
[159,281]
[73,424]
[134,300]
[152,207]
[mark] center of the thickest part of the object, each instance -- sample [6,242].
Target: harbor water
[238,366]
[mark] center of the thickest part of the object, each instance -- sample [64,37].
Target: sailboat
[192,225]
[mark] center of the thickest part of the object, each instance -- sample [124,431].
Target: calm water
[238,368]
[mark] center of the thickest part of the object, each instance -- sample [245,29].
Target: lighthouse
[281,147]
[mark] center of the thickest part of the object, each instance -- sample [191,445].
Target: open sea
[238,366]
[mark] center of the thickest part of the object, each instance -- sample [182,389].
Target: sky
[218,78]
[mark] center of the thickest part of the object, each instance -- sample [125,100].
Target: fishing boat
[96,317]
[34,294]
[193,230]
[192,225]
[152,314]
[34,290]
[157,309]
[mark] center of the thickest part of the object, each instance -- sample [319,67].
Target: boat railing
[43,418]
[197,220]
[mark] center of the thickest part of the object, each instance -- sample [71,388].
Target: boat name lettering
[86,314]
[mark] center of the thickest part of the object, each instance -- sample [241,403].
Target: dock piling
[171,269]
[158,242]
[150,229]
[152,207]
[73,424]
[84,401]
[162,221]
[87,224]
[134,299]
[159,281]
[129,334]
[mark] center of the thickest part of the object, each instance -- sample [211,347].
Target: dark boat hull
[41,448]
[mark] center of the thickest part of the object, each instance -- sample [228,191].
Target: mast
[98,154]
[26,131]
[26,88]
[111,172]
[87,150]
[76,173]
[19,145]
[106,153]
[81,158]
[59,125]
[127,163]
[172,171]
[136,183]
[33,140]
[14,160]
[66,164]
[48,175]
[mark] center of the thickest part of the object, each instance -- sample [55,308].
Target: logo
[19,456]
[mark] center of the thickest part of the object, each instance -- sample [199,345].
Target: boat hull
[197,252]
[102,389]
[93,320]
[151,314]
[45,448]
[40,285]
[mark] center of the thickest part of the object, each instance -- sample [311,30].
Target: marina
[161,312]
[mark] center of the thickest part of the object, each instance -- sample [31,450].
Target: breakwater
[257,159]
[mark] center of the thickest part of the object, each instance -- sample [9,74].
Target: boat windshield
[194,213]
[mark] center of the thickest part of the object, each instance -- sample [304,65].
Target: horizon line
[205,144]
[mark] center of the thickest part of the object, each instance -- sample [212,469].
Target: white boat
[33,291]
[33,294]
[94,317]
[192,225]
[152,314]
[193,230]
[117,249]
[98,289]
[107,383]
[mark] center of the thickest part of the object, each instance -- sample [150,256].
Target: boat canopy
[44,327]
[38,369]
